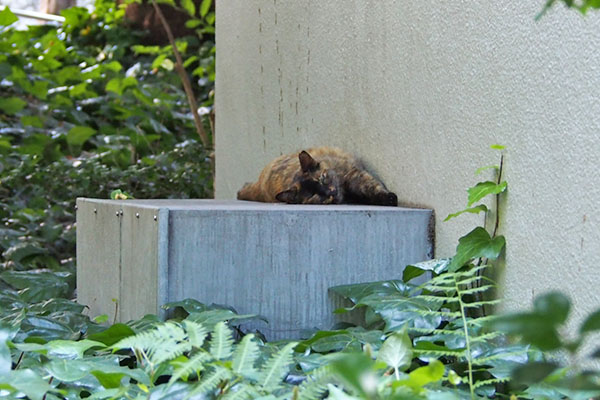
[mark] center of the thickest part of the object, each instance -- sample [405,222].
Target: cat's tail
[248,192]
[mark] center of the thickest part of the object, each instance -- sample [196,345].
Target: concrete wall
[420,90]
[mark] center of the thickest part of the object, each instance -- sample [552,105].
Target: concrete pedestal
[276,260]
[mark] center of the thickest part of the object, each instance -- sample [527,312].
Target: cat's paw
[387,199]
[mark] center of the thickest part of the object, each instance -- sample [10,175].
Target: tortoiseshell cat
[321,175]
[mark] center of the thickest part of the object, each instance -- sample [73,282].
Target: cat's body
[321,175]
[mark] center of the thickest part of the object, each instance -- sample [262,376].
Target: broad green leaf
[497,147]
[483,189]
[472,210]
[205,7]
[5,358]
[28,382]
[11,105]
[158,61]
[422,376]
[193,23]
[139,49]
[534,328]
[70,349]
[78,135]
[39,285]
[554,305]
[7,17]
[113,334]
[67,370]
[31,120]
[188,5]
[591,323]
[356,292]
[533,372]
[396,351]
[114,66]
[110,380]
[415,270]
[18,253]
[475,244]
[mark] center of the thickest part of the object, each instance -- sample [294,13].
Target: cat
[320,175]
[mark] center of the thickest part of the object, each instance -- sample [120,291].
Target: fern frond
[221,343]
[241,392]
[164,342]
[212,379]
[482,303]
[195,364]
[276,368]
[441,331]
[443,314]
[196,333]
[244,357]
[479,289]
[490,382]
[315,385]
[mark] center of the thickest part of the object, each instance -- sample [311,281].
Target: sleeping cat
[321,175]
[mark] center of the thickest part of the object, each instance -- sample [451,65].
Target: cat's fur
[321,175]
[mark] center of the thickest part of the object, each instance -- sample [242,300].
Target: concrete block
[276,260]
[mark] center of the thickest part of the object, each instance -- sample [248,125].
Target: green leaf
[78,135]
[109,380]
[554,305]
[536,329]
[192,23]
[39,285]
[11,105]
[497,147]
[118,85]
[7,17]
[276,367]
[483,189]
[221,341]
[475,244]
[472,210]
[70,349]
[244,357]
[67,370]
[480,170]
[5,358]
[533,372]
[591,323]
[31,120]
[396,351]
[29,383]
[113,334]
[188,5]
[205,7]
[415,270]
[422,376]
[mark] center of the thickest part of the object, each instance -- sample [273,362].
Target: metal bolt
[155,218]
[76,207]
[121,212]
[95,211]
[137,215]
[117,213]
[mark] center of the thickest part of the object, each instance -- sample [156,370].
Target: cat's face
[315,184]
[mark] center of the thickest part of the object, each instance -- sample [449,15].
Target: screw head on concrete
[121,212]
[95,211]
[137,215]
[76,207]
[155,218]
[117,213]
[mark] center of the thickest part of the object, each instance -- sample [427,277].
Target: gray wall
[420,90]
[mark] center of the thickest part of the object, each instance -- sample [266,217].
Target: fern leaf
[276,368]
[195,364]
[245,355]
[241,392]
[476,304]
[479,289]
[210,382]
[165,342]
[221,343]
[196,333]
[315,385]
[490,382]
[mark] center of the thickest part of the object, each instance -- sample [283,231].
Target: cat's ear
[287,196]
[307,163]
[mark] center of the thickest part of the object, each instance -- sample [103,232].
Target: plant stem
[467,341]
[497,222]
[185,80]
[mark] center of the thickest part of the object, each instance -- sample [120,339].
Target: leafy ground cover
[84,111]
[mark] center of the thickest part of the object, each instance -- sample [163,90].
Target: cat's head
[316,183]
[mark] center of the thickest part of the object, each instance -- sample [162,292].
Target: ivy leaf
[11,105]
[415,270]
[113,334]
[483,189]
[475,244]
[78,135]
[7,17]
[396,351]
[591,323]
[554,305]
[472,210]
